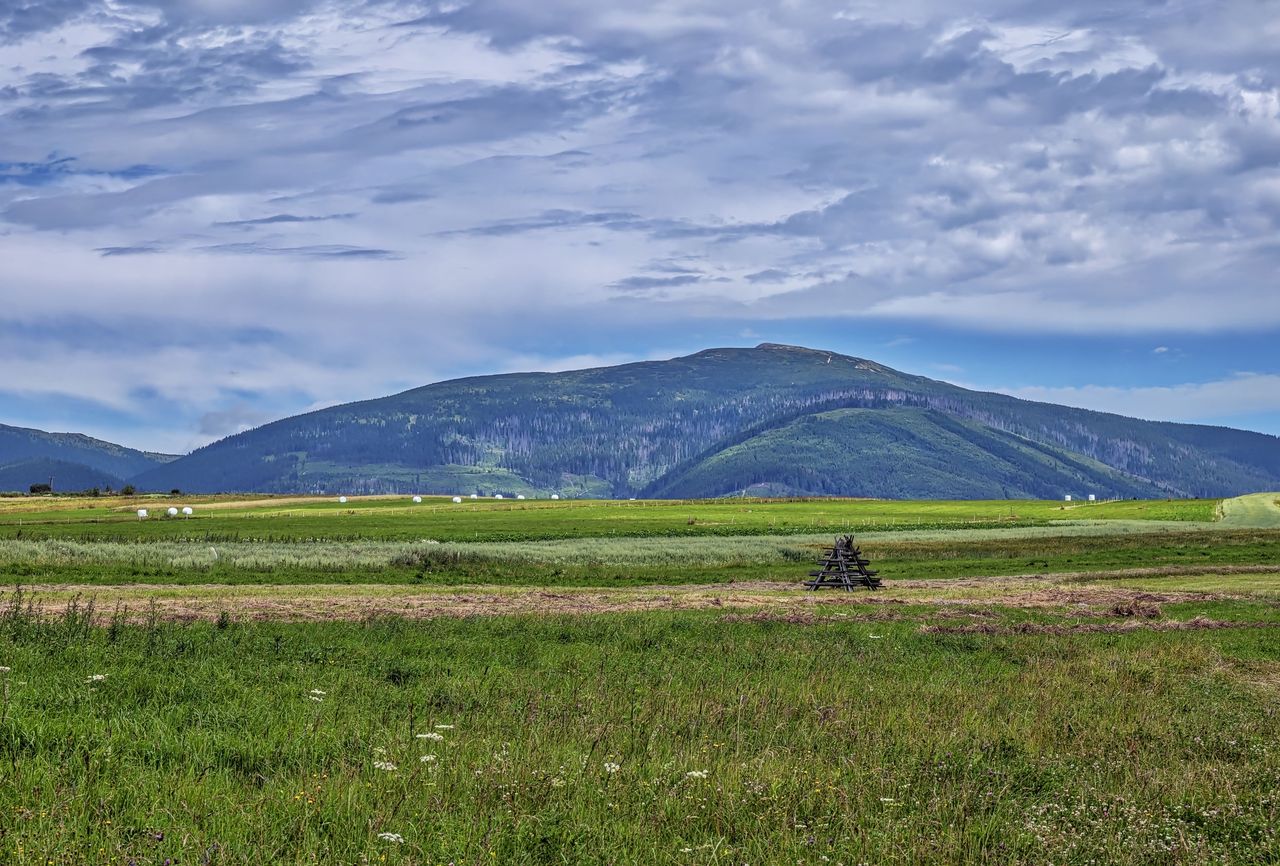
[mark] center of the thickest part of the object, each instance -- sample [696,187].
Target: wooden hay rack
[843,567]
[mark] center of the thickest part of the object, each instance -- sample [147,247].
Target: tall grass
[611,561]
[636,739]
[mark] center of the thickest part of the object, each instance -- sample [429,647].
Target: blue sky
[214,213]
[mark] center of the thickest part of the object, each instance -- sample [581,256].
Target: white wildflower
[4,669]
[391,837]
[875,636]
[96,678]
[557,782]
[696,774]
[888,800]
[385,765]
[611,767]
[431,735]
[316,698]
[378,750]
[428,759]
[318,692]
[444,727]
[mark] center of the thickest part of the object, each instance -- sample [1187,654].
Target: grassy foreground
[638,738]
[1036,690]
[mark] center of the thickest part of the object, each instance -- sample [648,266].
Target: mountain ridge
[21,444]
[635,429]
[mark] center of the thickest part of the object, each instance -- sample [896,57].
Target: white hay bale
[519,496]
[457,499]
[172,512]
[188,510]
[497,496]
[342,500]
[142,514]
[555,495]
[474,496]
[417,500]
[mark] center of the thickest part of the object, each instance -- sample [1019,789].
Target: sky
[215,213]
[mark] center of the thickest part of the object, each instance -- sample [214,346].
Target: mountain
[896,453]
[20,444]
[778,418]
[67,477]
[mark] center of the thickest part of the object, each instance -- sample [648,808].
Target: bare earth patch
[959,598]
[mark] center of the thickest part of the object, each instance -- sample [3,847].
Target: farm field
[298,681]
[396,518]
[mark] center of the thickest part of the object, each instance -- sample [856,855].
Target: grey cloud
[19,18]
[316,251]
[225,422]
[127,251]
[769,275]
[647,283]
[276,219]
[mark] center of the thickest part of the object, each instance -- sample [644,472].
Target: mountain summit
[773,419]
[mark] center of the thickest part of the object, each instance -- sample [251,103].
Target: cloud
[481,181]
[1243,394]
[137,250]
[276,219]
[319,251]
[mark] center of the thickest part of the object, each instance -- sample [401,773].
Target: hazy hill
[20,444]
[717,422]
[67,477]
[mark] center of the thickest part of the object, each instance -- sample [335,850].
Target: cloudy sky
[218,212]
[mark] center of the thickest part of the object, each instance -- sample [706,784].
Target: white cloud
[1244,394]
[507,172]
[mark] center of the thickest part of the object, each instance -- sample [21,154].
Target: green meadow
[296,681]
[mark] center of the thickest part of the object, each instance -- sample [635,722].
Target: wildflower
[696,774]
[391,837]
[431,735]
[888,800]
[875,636]
[318,692]
[428,759]
[611,767]
[4,670]
[316,698]
[96,678]
[385,765]
[557,782]
[444,727]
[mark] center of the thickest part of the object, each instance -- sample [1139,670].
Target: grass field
[297,682]
[398,519]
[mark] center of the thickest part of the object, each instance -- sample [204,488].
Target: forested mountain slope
[642,429]
[67,477]
[19,444]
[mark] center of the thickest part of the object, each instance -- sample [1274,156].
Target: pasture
[298,681]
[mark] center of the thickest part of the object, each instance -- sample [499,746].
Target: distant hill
[775,418]
[67,477]
[20,444]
